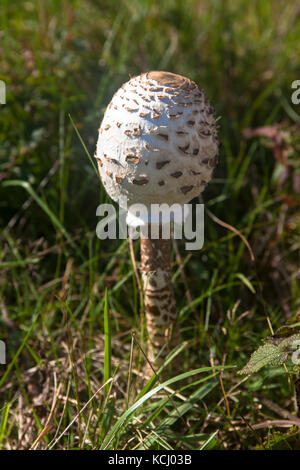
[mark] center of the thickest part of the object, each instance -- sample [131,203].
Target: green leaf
[283,341]
[268,354]
[275,350]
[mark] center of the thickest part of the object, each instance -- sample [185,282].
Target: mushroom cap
[158,140]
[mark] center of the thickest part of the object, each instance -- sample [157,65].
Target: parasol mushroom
[157,144]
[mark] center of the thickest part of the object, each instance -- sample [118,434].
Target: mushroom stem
[159,299]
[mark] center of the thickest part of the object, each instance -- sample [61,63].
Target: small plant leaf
[274,352]
[284,338]
[268,354]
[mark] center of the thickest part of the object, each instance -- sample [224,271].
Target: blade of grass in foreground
[16,264]
[123,418]
[210,443]
[13,361]
[4,421]
[163,427]
[84,146]
[107,342]
[25,185]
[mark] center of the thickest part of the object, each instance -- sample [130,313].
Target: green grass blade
[85,148]
[13,361]
[210,443]
[25,185]
[4,422]
[16,264]
[124,417]
[107,342]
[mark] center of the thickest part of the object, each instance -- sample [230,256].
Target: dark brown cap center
[169,79]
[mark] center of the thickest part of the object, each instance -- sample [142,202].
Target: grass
[64,294]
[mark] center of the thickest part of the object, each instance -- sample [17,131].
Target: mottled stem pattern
[159,300]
